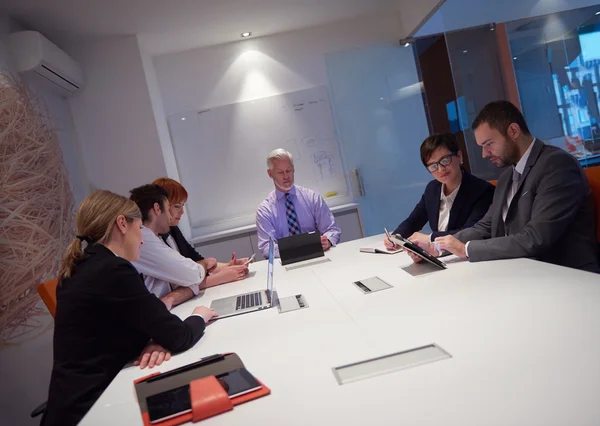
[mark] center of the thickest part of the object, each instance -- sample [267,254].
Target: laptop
[249,302]
[300,247]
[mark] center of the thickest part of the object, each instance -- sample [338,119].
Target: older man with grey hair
[291,209]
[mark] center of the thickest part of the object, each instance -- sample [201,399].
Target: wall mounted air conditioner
[32,52]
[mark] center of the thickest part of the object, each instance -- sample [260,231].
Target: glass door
[378,106]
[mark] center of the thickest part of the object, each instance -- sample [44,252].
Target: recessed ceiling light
[597,13]
[515,58]
[246,34]
[465,51]
[407,44]
[182,118]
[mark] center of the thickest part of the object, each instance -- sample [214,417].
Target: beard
[282,187]
[509,157]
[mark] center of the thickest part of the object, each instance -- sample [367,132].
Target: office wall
[458,14]
[282,63]
[113,116]
[26,363]
[261,67]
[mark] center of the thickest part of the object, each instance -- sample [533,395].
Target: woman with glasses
[452,201]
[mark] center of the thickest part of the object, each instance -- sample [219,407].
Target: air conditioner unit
[32,52]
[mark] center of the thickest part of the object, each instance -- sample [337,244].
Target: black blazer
[104,318]
[471,204]
[185,248]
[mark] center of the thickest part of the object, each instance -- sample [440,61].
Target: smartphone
[238,382]
[250,259]
[169,404]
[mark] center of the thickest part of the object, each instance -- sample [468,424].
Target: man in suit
[543,206]
[167,274]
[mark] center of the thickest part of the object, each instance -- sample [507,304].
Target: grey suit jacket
[551,217]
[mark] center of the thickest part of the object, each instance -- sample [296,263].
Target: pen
[389,238]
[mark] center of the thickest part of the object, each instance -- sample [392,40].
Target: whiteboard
[221,154]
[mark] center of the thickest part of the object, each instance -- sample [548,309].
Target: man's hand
[209,264]
[427,247]
[325,243]
[233,273]
[422,238]
[451,244]
[152,355]
[168,301]
[235,261]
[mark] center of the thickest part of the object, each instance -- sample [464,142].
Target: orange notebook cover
[207,395]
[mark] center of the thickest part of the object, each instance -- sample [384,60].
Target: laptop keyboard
[248,301]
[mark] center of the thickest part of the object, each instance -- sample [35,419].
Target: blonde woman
[105,316]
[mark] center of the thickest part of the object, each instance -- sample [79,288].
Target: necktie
[516,177]
[292,217]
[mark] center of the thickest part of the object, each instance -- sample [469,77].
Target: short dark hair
[429,145]
[146,195]
[499,115]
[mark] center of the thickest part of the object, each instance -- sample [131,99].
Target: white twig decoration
[36,207]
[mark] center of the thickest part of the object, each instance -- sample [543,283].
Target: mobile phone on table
[169,404]
[238,382]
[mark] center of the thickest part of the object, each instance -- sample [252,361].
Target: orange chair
[47,291]
[593,176]
[493,182]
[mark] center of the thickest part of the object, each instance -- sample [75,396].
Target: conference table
[523,339]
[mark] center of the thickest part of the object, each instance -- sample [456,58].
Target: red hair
[176,191]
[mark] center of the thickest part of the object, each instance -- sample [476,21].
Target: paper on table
[379,248]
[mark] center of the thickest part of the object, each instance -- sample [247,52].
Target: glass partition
[556,59]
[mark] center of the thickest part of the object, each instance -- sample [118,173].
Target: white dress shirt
[518,170]
[446,202]
[162,267]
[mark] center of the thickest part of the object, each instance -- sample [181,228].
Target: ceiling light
[514,58]
[246,34]
[597,13]
[465,51]
[407,44]
[182,118]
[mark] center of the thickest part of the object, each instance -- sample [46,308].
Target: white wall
[25,366]
[458,14]
[113,116]
[261,67]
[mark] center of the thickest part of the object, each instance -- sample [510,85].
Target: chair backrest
[47,291]
[593,176]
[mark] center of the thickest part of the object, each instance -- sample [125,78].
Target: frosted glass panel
[378,108]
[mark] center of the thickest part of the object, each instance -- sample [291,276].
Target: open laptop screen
[270,270]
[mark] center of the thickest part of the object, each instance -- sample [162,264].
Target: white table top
[522,335]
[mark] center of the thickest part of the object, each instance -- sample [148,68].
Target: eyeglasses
[444,161]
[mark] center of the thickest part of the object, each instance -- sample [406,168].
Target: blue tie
[292,217]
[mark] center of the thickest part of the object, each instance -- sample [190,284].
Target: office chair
[47,291]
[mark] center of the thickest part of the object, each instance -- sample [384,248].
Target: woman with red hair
[234,270]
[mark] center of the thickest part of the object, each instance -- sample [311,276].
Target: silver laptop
[249,302]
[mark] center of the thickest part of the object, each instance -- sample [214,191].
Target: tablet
[415,249]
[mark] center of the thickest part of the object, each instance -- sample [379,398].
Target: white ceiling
[174,25]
